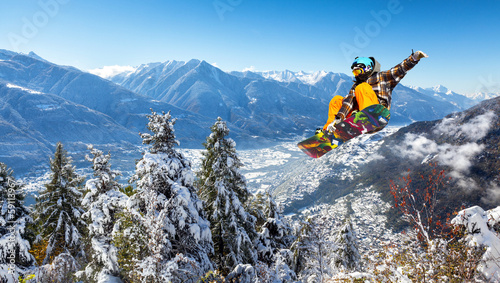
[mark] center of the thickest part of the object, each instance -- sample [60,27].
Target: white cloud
[447,126]
[375,157]
[479,126]
[466,183]
[458,157]
[110,71]
[249,69]
[492,194]
[476,129]
[416,147]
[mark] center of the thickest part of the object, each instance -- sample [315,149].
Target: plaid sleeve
[395,74]
[347,104]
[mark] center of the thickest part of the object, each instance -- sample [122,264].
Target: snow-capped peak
[290,76]
[483,95]
[441,89]
[35,56]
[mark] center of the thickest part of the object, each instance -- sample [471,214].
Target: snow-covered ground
[367,218]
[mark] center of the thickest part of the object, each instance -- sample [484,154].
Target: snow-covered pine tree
[312,252]
[347,255]
[275,238]
[256,206]
[131,241]
[224,190]
[275,233]
[102,202]
[58,211]
[129,238]
[179,238]
[14,217]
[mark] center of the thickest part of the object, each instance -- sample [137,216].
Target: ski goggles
[358,71]
[361,69]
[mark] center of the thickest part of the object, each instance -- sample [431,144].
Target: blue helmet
[363,63]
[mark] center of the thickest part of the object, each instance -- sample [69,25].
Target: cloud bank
[458,157]
[107,72]
[475,129]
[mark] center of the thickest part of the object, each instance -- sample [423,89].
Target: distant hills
[259,107]
[42,103]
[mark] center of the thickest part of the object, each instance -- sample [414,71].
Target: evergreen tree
[256,206]
[14,218]
[312,252]
[275,233]
[179,238]
[58,211]
[275,238]
[102,202]
[348,254]
[131,242]
[224,191]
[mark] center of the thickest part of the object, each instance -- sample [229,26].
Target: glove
[416,56]
[331,128]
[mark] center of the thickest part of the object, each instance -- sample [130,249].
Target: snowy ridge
[290,76]
[441,91]
[480,96]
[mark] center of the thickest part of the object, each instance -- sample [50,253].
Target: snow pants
[365,96]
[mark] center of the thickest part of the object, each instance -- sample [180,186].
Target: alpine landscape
[417,201]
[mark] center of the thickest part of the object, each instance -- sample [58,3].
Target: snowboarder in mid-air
[370,87]
[366,107]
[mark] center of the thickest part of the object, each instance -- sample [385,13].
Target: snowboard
[371,119]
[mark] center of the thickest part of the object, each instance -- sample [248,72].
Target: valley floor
[289,174]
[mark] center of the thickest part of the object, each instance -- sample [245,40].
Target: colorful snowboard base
[371,119]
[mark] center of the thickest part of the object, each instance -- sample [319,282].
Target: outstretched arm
[395,74]
[391,77]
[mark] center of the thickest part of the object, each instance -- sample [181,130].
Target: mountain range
[43,103]
[281,98]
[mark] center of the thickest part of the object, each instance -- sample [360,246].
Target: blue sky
[461,37]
